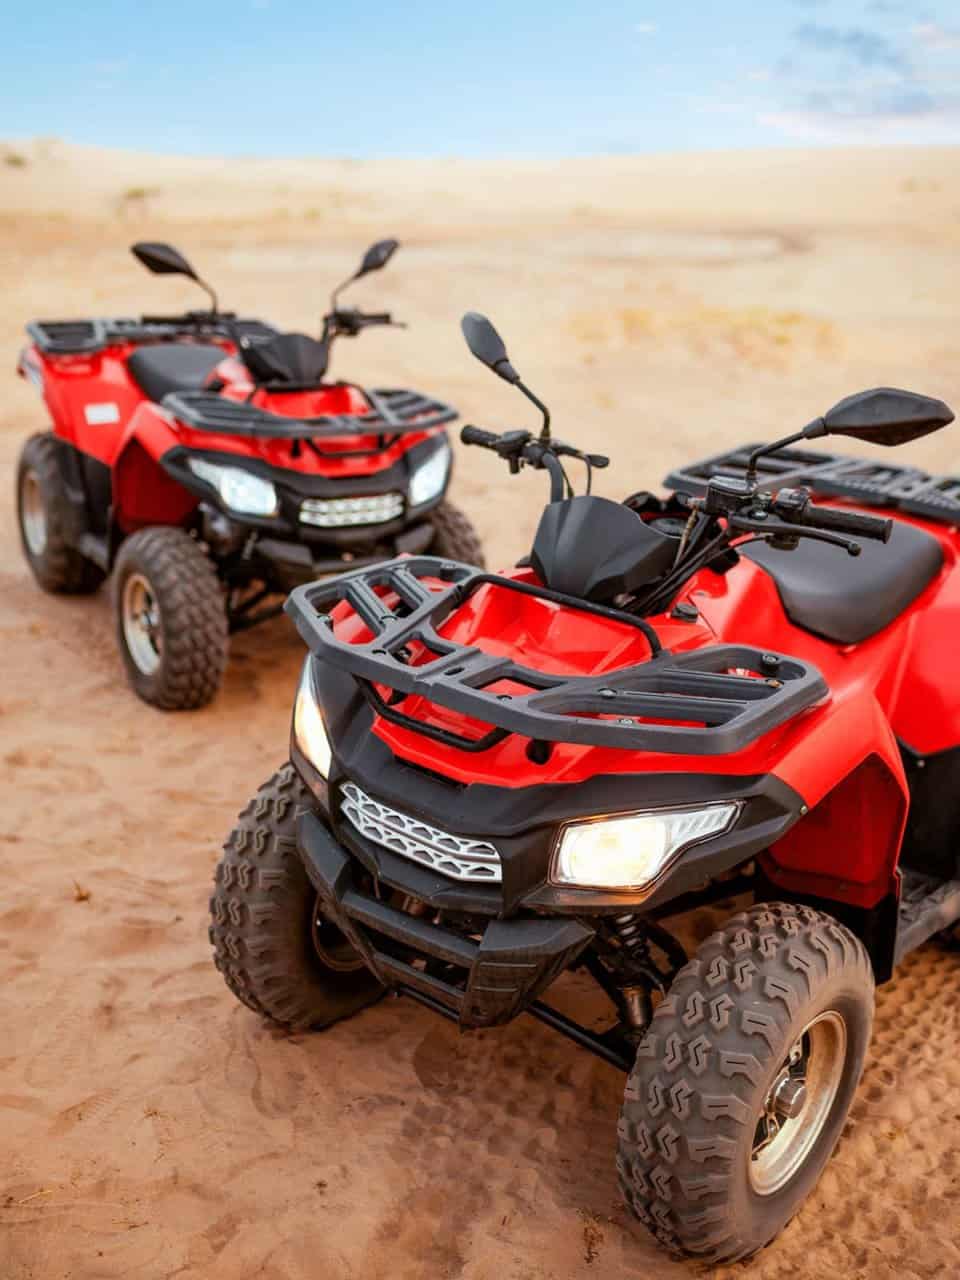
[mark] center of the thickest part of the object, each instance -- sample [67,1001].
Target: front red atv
[208,463]
[735,692]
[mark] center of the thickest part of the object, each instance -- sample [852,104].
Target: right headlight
[632,852]
[309,731]
[240,490]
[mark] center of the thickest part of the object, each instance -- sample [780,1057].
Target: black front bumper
[482,983]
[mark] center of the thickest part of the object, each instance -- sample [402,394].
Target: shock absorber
[640,970]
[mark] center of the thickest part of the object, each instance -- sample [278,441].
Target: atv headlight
[309,731]
[239,490]
[632,852]
[430,478]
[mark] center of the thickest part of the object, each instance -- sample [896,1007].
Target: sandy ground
[149,1126]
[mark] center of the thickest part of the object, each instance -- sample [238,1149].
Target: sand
[150,1127]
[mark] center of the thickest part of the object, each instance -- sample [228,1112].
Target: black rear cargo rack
[712,701]
[392,413]
[834,475]
[81,337]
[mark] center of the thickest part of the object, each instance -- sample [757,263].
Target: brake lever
[795,531]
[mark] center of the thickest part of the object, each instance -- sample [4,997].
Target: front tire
[275,951]
[743,1081]
[43,514]
[171,619]
[455,537]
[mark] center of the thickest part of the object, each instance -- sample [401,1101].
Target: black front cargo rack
[392,413]
[712,701]
[834,475]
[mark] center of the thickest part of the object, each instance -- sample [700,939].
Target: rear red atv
[733,692]
[209,464]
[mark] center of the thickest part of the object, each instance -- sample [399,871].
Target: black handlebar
[850,522]
[794,505]
[477,436]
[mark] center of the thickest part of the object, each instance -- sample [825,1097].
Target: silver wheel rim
[33,514]
[798,1103]
[140,616]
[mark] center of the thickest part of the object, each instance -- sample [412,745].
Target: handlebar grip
[851,522]
[477,435]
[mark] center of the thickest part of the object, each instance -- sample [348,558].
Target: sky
[490,77]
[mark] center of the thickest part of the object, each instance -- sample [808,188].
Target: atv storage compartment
[711,701]
[833,475]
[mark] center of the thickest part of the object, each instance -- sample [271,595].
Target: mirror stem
[545,429]
[810,432]
[210,293]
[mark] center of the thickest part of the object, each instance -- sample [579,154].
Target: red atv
[736,691]
[208,462]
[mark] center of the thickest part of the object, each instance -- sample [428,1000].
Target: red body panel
[74,386]
[841,756]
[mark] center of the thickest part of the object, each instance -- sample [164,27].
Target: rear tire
[171,619]
[455,537]
[43,514]
[268,940]
[718,1143]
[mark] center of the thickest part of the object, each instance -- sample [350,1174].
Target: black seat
[844,598]
[173,367]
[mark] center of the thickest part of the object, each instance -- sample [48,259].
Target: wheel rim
[330,945]
[798,1103]
[33,514]
[140,616]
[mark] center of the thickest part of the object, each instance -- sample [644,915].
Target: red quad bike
[206,461]
[736,690]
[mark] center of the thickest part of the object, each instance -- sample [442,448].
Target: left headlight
[633,852]
[309,731]
[430,478]
[239,490]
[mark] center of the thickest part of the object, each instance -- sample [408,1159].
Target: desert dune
[665,307]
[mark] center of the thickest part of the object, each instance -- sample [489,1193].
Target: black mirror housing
[487,345]
[377,256]
[162,259]
[885,416]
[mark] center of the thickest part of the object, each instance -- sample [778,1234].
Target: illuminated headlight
[309,731]
[430,478]
[633,852]
[239,490]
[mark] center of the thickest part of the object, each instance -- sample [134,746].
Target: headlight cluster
[309,731]
[633,852]
[430,478]
[239,490]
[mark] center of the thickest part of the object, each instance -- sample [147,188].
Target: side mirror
[162,259]
[884,416]
[377,256]
[487,345]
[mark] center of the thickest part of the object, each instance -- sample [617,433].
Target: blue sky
[437,77]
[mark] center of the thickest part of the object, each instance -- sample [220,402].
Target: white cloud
[644,28]
[939,126]
[934,36]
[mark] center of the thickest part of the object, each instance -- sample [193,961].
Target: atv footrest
[927,905]
[485,982]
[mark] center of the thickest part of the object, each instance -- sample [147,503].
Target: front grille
[455,856]
[330,513]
